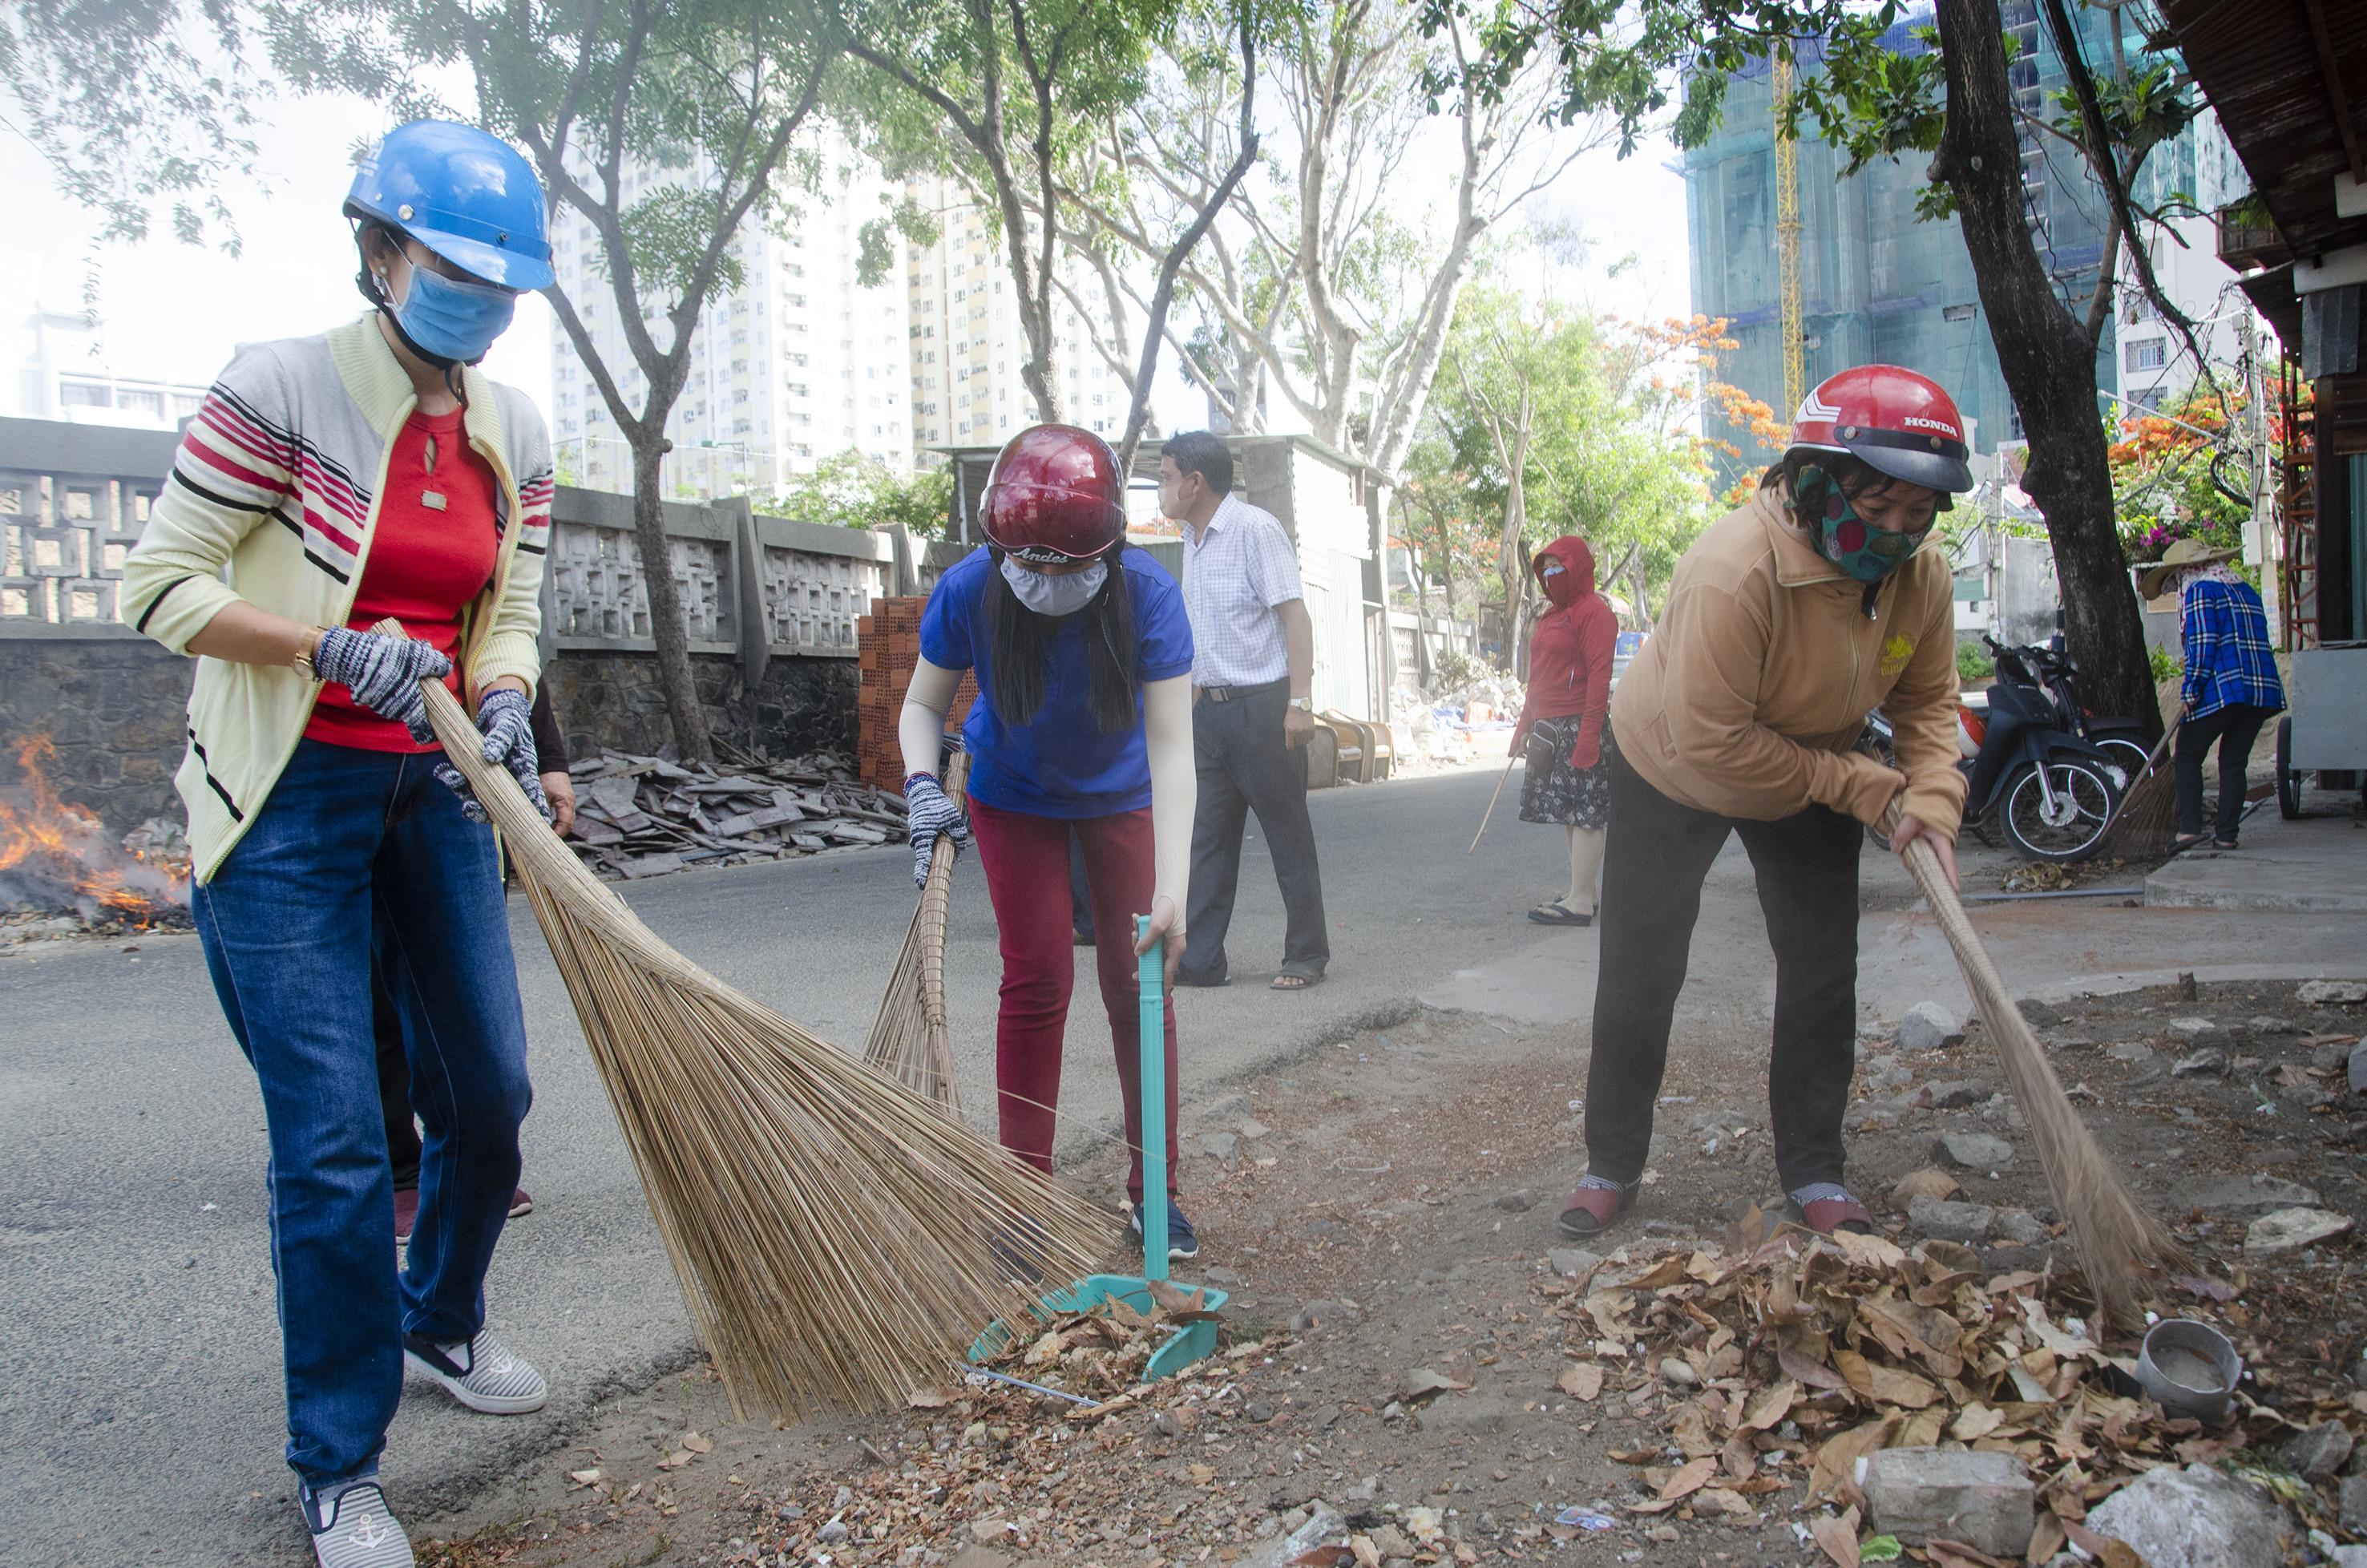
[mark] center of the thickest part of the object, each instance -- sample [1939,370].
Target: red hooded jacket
[1570,653]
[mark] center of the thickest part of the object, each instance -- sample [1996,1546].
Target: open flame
[58,859]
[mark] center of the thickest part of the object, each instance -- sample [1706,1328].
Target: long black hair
[1016,639]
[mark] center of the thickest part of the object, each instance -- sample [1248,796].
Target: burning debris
[58,862]
[643,816]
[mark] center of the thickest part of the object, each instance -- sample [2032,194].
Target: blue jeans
[355,848]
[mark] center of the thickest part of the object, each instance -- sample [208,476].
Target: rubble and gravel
[644,816]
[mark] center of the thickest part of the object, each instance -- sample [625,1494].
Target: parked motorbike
[2030,775]
[2122,740]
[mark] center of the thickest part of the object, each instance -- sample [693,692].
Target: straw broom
[2147,818]
[837,1237]
[2116,1238]
[910,1041]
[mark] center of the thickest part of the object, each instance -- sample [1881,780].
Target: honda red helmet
[1056,495]
[1890,419]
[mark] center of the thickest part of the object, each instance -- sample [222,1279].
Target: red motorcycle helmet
[1891,419]
[1055,494]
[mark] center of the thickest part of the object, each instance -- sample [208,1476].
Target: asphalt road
[142,1422]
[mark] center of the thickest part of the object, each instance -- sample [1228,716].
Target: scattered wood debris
[1099,1353]
[643,816]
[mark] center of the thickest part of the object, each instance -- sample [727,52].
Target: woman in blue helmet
[328,483]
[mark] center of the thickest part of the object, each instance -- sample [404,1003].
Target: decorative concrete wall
[771,605]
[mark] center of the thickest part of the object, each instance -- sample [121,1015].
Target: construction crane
[1787,242]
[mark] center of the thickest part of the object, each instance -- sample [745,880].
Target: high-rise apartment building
[799,363]
[967,344]
[1879,285]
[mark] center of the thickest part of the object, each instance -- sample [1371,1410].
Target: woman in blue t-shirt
[1083,725]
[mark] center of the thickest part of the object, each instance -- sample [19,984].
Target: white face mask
[1055,595]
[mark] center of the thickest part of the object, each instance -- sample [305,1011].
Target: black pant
[2235,727]
[1245,767]
[1655,858]
[394,1085]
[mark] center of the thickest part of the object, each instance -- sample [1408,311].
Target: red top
[1570,653]
[432,551]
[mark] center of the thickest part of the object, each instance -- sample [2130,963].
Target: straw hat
[2185,552]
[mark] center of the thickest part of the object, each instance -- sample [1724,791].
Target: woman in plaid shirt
[2231,686]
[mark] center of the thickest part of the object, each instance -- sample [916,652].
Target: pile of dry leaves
[1100,1352]
[1779,1350]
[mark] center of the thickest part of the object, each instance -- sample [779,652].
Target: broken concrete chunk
[1218,1146]
[1326,1529]
[2288,1230]
[2319,1453]
[1971,1151]
[2196,1518]
[2268,1023]
[1929,1026]
[1949,1221]
[1252,1128]
[1573,1263]
[2359,1068]
[2351,1505]
[2331,993]
[2244,1195]
[2209,1060]
[1957,1093]
[1984,1500]
[2022,1227]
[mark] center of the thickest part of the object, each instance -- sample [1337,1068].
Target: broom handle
[1923,865]
[1492,799]
[1153,1096]
[2153,766]
[933,896]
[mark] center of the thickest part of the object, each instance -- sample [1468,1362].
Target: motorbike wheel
[2084,800]
[2129,756]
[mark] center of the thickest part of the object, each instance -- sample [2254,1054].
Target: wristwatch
[303,660]
[1303,704]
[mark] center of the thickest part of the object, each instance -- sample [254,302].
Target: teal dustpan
[1185,1343]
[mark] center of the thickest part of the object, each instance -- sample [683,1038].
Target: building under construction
[1874,283]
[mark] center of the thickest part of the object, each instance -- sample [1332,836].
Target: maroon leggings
[1026,862]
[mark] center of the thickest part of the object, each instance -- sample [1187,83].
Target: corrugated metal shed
[2260,63]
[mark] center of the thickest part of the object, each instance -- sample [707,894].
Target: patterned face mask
[1867,554]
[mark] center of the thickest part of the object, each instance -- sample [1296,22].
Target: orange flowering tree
[2180,476]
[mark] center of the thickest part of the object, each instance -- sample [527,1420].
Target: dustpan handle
[1153,1096]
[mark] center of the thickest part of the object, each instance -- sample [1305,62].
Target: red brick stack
[888,644]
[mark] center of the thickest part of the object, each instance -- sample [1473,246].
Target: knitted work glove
[927,814]
[503,719]
[383,674]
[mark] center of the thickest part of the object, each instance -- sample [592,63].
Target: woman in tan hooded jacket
[1786,622]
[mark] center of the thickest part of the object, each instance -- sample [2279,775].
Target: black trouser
[1657,854]
[2235,727]
[1245,767]
[394,1085]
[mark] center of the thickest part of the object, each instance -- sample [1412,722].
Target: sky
[177,312]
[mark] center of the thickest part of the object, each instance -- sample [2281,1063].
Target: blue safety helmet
[465,194]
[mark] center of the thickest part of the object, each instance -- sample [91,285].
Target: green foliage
[852,491]
[2164,488]
[1973,663]
[2165,666]
[138,107]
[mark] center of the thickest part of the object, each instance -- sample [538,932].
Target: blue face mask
[452,320]
[1867,554]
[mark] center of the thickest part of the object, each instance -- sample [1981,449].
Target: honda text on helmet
[473,201]
[1897,423]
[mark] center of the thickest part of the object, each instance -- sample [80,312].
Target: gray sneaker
[351,1527]
[481,1373]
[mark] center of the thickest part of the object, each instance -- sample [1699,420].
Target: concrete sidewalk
[2318,863]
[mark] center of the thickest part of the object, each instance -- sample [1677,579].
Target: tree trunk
[2049,364]
[666,624]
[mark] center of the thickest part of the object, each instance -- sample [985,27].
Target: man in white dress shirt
[1252,670]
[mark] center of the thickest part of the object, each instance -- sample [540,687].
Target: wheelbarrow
[1184,1343]
[2324,728]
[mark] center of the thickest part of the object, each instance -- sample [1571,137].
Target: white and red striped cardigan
[273,498]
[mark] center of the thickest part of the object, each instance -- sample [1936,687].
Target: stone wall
[614,700]
[116,709]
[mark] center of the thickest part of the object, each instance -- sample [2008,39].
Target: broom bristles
[2116,1238]
[837,1237]
[911,1040]
[2147,818]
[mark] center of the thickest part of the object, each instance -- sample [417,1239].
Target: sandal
[1295,977]
[1827,1214]
[1590,1210]
[2186,841]
[1559,913]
